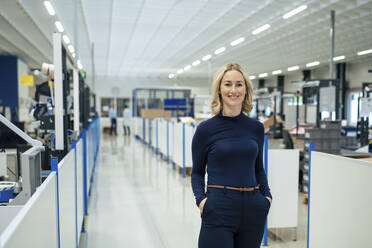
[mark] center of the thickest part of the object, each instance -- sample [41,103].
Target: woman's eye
[227,84]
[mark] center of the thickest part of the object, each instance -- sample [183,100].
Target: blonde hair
[216,104]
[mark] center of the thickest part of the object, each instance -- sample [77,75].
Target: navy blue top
[232,149]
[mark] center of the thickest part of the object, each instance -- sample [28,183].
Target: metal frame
[363,122]
[76,102]
[152,93]
[320,83]
[31,174]
[58,91]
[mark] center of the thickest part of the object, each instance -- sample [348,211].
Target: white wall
[357,73]
[123,87]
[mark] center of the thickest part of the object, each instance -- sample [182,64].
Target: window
[105,105]
[121,103]
[354,96]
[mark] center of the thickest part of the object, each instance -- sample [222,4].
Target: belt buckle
[241,189]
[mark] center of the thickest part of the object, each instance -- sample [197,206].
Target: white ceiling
[152,38]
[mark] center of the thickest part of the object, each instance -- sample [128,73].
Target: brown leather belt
[250,189]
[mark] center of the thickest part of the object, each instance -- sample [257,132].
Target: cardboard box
[270,121]
[155,113]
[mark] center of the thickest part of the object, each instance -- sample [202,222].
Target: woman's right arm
[199,160]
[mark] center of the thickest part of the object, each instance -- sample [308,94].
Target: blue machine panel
[9,82]
[175,104]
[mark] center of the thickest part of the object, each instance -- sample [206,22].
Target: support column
[341,76]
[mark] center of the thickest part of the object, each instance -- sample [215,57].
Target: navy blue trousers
[233,219]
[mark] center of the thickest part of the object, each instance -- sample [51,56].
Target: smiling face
[232,89]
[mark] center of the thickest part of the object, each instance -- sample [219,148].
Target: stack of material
[155,113]
[270,121]
[326,139]
[349,142]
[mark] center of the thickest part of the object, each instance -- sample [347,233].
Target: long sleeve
[259,168]
[199,160]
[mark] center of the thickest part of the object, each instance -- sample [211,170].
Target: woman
[235,206]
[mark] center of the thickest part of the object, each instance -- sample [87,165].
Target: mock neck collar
[237,117]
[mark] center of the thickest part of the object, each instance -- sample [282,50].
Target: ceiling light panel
[196,63]
[237,41]
[71,49]
[220,50]
[311,64]
[207,57]
[365,52]
[295,12]
[66,39]
[277,72]
[262,75]
[338,58]
[293,68]
[261,29]
[49,8]
[59,26]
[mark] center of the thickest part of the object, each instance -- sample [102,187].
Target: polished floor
[138,200]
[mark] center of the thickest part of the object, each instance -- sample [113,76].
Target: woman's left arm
[259,168]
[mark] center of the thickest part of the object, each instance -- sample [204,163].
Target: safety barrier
[161,136]
[340,202]
[59,205]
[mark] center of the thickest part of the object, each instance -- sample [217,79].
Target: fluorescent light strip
[252,77]
[293,68]
[261,29]
[277,72]
[365,52]
[295,11]
[66,39]
[187,67]
[220,50]
[196,63]
[338,58]
[71,48]
[262,75]
[312,64]
[171,75]
[180,71]
[237,41]
[207,57]
[73,55]
[59,26]
[49,8]
[80,66]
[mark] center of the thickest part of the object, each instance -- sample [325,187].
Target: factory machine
[364,113]
[321,100]
[267,104]
[58,113]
